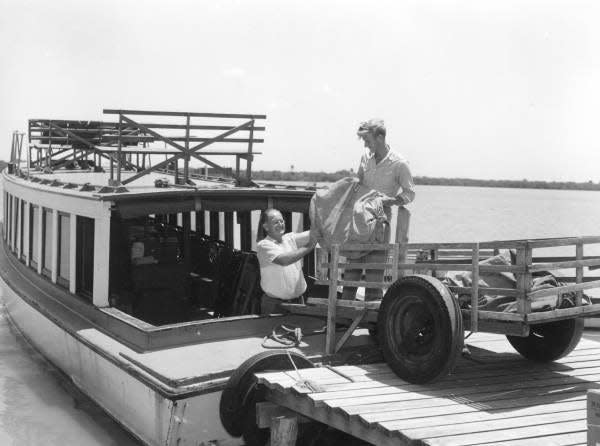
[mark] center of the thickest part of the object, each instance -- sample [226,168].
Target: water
[38,405]
[459,214]
[41,406]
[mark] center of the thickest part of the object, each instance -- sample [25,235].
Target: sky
[496,89]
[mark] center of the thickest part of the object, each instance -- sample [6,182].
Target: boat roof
[147,155]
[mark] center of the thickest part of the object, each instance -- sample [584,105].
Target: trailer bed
[494,396]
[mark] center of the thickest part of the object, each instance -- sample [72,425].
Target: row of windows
[35,224]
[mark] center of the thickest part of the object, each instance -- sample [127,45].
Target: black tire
[420,329]
[238,399]
[550,341]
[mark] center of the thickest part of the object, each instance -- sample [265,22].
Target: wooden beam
[284,431]
[475,288]
[579,272]
[54,249]
[73,253]
[101,259]
[350,330]
[266,411]
[331,310]
[171,113]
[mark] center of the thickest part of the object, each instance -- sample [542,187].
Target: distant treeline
[318,177]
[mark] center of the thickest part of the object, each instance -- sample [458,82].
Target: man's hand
[390,201]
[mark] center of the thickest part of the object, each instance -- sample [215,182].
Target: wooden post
[186,159]
[579,271]
[475,288]
[395,260]
[332,302]
[26,234]
[284,431]
[54,242]
[101,259]
[524,257]
[249,156]
[73,253]
[119,149]
[40,238]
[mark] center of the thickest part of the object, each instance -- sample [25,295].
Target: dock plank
[494,397]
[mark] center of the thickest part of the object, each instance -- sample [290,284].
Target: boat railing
[129,144]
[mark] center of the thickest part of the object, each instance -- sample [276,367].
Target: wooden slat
[530,431]
[563,313]
[357,304]
[344,314]
[486,290]
[560,265]
[501,429]
[475,289]
[567,241]
[496,316]
[563,289]
[579,272]
[331,309]
[500,397]
[172,113]
[357,283]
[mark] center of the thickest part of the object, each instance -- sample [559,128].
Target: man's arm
[287,258]
[406,187]
[302,238]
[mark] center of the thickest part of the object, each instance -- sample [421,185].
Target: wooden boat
[135,276]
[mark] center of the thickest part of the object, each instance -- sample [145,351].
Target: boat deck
[493,397]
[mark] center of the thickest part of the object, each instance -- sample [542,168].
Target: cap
[373,126]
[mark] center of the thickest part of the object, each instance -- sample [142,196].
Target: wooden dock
[493,397]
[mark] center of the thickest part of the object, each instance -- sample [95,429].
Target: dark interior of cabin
[154,280]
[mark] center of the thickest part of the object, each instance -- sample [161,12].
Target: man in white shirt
[279,255]
[387,172]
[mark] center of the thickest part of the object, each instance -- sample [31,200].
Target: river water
[39,406]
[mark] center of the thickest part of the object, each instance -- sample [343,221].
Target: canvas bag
[347,212]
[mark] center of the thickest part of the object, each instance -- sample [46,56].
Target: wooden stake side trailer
[420,324]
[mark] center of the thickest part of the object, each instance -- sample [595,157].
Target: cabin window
[85,257]
[9,221]
[34,218]
[22,229]
[5,215]
[47,242]
[64,249]
[16,222]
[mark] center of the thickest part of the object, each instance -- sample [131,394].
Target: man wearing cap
[387,172]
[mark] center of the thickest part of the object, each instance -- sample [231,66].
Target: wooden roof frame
[117,141]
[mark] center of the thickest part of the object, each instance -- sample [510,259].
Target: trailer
[421,321]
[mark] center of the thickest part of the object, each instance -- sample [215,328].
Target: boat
[134,273]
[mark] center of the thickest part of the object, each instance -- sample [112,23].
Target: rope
[286,336]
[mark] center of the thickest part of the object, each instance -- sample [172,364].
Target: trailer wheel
[237,406]
[550,341]
[420,329]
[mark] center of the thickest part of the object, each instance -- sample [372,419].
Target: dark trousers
[270,305]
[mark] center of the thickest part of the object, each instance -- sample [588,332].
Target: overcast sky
[480,89]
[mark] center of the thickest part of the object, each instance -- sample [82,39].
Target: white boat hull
[148,415]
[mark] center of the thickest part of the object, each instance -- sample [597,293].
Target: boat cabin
[139,226]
